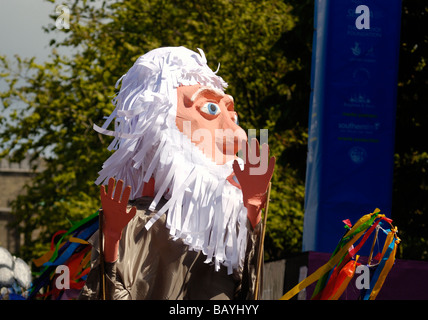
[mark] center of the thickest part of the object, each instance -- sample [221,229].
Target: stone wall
[13,177]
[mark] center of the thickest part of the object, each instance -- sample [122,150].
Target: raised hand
[114,208]
[254,178]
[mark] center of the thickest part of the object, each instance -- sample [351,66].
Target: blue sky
[21,33]
[21,23]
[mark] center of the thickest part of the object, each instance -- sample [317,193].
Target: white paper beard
[203,208]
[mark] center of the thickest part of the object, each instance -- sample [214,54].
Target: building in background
[13,178]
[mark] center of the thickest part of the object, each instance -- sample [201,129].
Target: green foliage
[410,193]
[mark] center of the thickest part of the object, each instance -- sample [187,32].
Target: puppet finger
[111,182]
[126,194]
[118,190]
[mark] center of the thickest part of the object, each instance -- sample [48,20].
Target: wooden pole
[102,272]
[373,244]
[261,247]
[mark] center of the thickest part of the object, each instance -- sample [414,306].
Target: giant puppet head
[174,124]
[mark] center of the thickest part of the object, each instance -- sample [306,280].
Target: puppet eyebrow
[230,103]
[218,94]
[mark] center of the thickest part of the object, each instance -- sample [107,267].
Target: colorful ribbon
[334,277]
[71,250]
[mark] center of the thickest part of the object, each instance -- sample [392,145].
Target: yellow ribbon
[78,240]
[362,220]
[388,264]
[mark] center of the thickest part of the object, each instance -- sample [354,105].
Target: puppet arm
[115,215]
[254,179]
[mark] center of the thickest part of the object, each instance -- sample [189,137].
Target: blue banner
[352,116]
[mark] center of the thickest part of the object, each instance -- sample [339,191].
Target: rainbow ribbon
[334,276]
[72,250]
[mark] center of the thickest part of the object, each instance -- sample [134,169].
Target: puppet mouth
[228,149]
[224,154]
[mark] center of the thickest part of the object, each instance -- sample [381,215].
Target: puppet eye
[211,108]
[236,119]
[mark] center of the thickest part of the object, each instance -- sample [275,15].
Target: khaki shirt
[151,265]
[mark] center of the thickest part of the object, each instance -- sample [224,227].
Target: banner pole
[262,240]
[102,272]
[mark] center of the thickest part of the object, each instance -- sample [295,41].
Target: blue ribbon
[379,270]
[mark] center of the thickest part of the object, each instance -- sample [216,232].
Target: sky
[21,32]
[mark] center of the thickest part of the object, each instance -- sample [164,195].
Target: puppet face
[207,117]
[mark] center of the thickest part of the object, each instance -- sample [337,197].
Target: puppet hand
[254,178]
[115,212]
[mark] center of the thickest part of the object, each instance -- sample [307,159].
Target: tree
[410,194]
[65,96]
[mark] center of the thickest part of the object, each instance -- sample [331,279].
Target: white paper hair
[204,209]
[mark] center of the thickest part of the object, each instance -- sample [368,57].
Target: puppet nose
[239,134]
[230,138]
[239,137]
